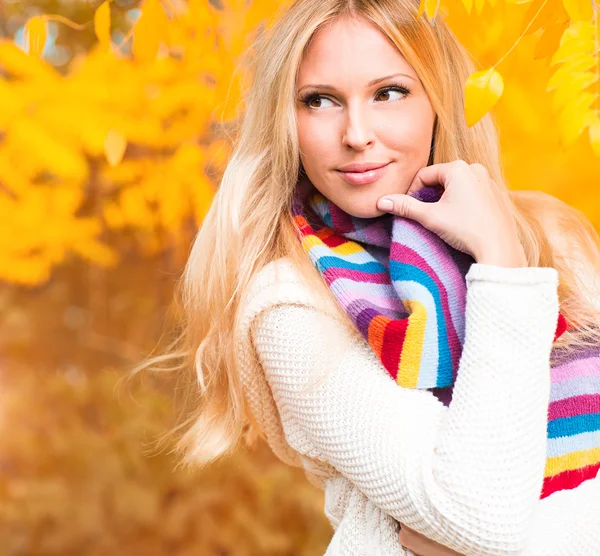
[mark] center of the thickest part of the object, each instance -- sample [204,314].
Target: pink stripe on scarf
[332,274]
[385,302]
[581,367]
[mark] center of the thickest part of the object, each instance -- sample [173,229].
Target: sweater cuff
[512,275]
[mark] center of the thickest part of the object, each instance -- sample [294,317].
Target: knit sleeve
[567,523]
[468,476]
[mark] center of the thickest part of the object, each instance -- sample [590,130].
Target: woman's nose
[358,130]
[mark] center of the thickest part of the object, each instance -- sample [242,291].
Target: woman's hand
[473,214]
[421,545]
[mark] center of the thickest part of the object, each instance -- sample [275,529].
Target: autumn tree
[127,137]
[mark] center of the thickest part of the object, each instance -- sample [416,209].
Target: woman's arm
[468,476]
[567,523]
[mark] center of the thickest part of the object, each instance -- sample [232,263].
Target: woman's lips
[362,178]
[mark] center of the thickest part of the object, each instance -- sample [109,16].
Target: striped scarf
[404,288]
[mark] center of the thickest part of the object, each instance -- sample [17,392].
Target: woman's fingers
[407,207]
[474,214]
[437,174]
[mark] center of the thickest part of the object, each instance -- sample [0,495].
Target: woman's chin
[364,212]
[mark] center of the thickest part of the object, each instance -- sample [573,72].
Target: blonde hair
[249,223]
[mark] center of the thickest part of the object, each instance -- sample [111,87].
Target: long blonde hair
[249,223]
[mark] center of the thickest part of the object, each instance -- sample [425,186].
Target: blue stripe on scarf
[402,271]
[568,426]
[372,267]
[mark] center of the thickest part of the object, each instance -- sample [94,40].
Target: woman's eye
[390,94]
[318,102]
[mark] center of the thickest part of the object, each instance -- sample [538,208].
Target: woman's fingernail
[385,204]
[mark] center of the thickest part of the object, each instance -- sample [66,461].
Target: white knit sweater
[469,475]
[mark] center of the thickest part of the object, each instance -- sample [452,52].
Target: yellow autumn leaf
[115,145]
[572,87]
[17,63]
[67,200]
[468,4]
[582,30]
[134,208]
[26,272]
[578,63]
[429,8]
[577,39]
[202,194]
[45,147]
[10,102]
[479,4]
[14,180]
[482,91]
[128,171]
[202,13]
[594,133]
[579,10]
[549,40]
[149,31]
[173,206]
[112,216]
[531,25]
[95,252]
[102,24]
[189,157]
[575,117]
[261,11]
[35,33]
[235,27]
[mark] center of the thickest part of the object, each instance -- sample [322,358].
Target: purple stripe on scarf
[342,221]
[581,353]
[364,319]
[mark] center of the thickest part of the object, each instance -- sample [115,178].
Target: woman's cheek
[318,146]
[411,144]
[408,129]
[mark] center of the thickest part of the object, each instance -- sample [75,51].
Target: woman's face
[360,103]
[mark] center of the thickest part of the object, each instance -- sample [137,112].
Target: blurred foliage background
[115,124]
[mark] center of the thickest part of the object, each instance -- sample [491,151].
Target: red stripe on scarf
[569,479]
[393,341]
[561,326]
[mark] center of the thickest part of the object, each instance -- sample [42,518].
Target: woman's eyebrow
[369,84]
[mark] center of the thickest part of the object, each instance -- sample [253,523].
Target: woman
[355,102]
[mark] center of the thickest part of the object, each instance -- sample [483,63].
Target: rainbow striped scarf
[405,290]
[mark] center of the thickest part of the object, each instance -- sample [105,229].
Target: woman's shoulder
[278,271]
[280,282]
[277,278]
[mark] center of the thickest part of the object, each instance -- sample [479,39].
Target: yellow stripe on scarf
[348,248]
[308,242]
[412,349]
[571,461]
